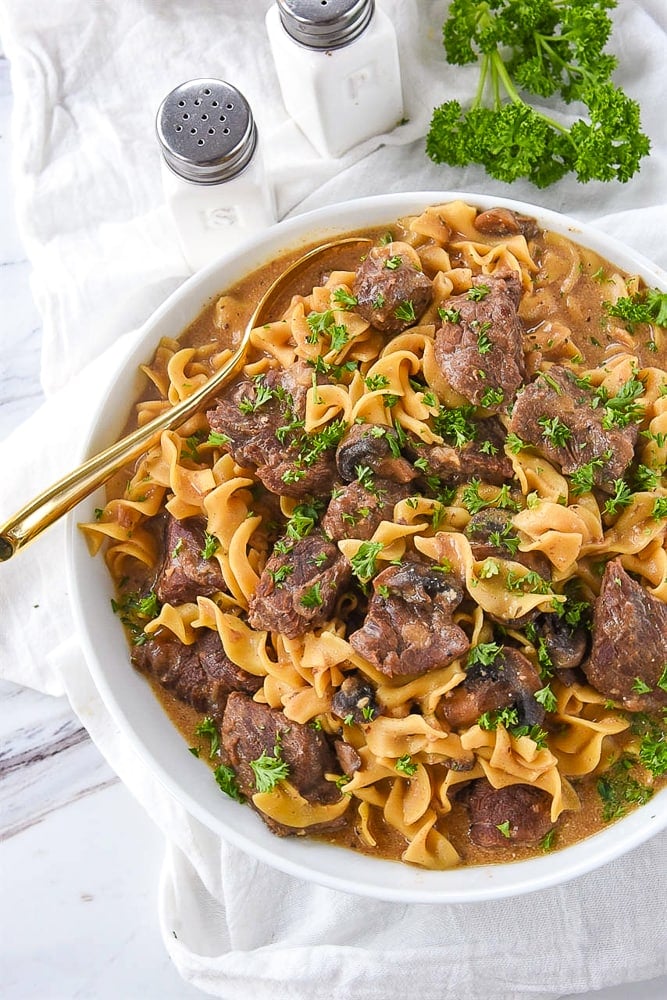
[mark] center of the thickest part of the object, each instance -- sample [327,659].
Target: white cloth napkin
[87,80]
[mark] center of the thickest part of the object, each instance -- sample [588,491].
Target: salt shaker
[212,170]
[338,69]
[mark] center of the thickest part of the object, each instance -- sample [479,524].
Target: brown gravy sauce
[581,308]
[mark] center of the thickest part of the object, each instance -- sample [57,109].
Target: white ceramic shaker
[212,170]
[338,68]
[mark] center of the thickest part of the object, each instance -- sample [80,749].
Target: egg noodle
[189,475]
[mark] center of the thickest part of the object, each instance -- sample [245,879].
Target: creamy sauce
[563,296]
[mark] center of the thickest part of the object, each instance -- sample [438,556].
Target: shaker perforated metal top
[325,24]
[206,131]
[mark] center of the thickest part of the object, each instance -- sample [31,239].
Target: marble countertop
[79,859]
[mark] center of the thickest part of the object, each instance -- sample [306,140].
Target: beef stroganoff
[404,585]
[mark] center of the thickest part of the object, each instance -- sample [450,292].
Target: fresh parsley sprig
[538,48]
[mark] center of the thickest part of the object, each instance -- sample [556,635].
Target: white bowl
[132,703]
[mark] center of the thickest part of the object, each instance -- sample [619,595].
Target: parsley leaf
[364,563]
[269,771]
[226,779]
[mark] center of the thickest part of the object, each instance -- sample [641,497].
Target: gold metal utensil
[57,500]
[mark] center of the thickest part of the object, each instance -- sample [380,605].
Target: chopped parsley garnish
[303,519]
[490,567]
[211,545]
[191,449]
[484,653]
[659,508]
[514,443]
[653,753]
[623,408]
[505,539]
[226,779]
[365,478]
[324,324]
[280,575]
[640,687]
[646,478]
[134,612]
[648,306]
[474,502]
[364,563]
[493,396]
[312,596]
[269,771]
[208,729]
[478,292]
[481,330]
[528,583]
[618,789]
[504,828]
[263,395]
[582,479]
[405,765]
[449,315]
[375,382]
[345,298]
[457,425]
[405,311]
[506,717]
[555,431]
[547,841]
[218,440]
[332,371]
[393,263]
[509,718]
[546,698]
[620,500]
[662,680]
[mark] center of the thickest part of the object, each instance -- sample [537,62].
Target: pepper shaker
[338,69]
[212,170]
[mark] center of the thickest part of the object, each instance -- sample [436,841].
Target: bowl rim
[308,859]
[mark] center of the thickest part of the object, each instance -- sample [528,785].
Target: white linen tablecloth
[88,78]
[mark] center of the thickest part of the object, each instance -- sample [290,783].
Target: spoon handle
[65,494]
[59,498]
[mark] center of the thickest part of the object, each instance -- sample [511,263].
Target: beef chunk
[250,729]
[391,291]
[482,458]
[504,222]
[348,758]
[355,512]
[584,440]
[262,418]
[481,353]
[184,572]
[355,700]
[201,675]
[629,643]
[509,682]
[298,589]
[374,447]
[526,809]
[485,457]
[408,628]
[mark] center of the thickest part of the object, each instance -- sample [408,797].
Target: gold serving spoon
[57,500]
